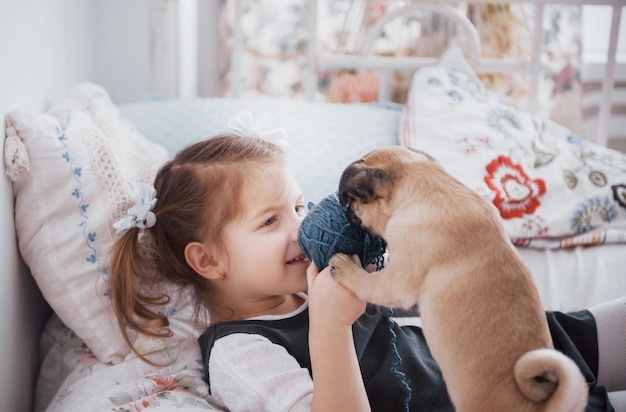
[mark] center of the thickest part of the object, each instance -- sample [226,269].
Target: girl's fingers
[311,273]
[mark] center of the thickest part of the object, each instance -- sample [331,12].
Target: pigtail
[131,270]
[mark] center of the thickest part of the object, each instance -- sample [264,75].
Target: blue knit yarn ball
[326,230]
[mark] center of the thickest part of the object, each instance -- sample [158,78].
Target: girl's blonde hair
[198,192]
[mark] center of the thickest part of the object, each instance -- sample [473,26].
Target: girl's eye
[269,221]
[299,209]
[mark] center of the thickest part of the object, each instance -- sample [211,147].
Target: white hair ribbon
[140,215]
[244,125]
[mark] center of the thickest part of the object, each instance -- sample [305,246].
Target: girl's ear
[202,259]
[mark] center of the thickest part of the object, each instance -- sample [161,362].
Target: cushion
[75,171]
[323,138]
[552,188]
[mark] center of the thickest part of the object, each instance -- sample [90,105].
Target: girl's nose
[295,225]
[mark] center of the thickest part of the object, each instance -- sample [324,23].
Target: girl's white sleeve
[250,373]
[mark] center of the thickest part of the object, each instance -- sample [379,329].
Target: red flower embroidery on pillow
[516,193]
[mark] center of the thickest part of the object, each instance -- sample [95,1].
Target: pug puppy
[449,254]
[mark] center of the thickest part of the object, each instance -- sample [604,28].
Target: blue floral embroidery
[63,395]
[591,213]
[576,140]
[83,207]
[454,78]
[455,96]
[168,312]
[434,81]
[503,120]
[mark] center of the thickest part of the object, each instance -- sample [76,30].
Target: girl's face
[263,260]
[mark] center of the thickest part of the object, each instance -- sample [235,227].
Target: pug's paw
[342,266]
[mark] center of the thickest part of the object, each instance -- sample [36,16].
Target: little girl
[224,221]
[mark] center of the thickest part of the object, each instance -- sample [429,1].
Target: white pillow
[323,137]
[75,171]
[553,188]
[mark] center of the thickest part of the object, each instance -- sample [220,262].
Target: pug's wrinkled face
[367,186]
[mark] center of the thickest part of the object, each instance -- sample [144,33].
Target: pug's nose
[353,218]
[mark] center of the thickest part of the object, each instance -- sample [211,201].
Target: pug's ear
[203,260]
[361,182]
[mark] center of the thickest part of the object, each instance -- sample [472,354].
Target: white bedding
[577,278]
[72,379]
[324,138]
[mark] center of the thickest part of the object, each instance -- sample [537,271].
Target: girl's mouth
[298,259]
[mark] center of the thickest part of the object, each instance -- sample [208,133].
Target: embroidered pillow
[75,171]
[553,189]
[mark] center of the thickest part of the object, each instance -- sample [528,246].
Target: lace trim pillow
[75,171]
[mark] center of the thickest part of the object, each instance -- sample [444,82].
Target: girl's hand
[329,301]
[333,309]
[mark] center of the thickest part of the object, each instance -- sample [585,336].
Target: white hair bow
[140,215]
[244,125]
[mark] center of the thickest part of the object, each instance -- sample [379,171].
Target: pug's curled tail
[549,377]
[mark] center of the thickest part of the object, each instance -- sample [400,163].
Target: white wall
[46,47]
[121,48]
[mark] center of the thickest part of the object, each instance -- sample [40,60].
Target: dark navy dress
[385,376]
